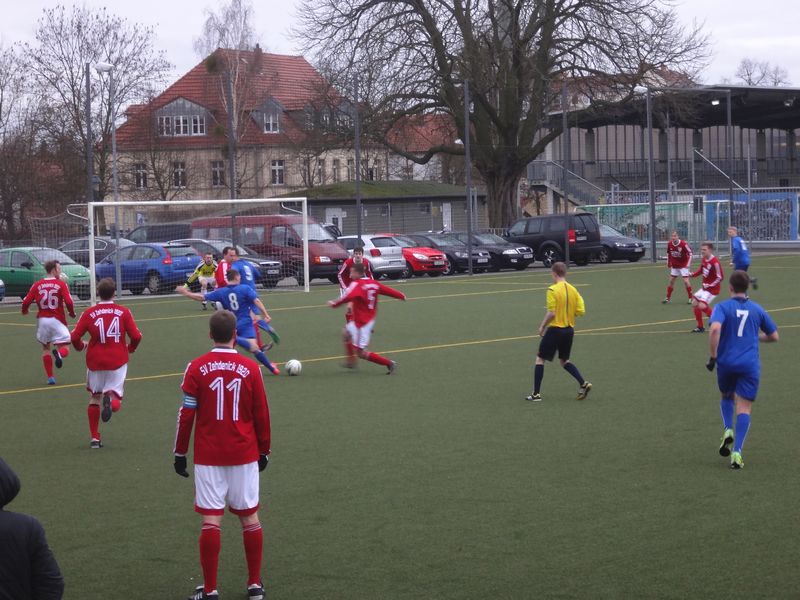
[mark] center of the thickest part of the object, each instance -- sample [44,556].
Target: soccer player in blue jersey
[740,254]
[243,301]
[736,327]
[248,273]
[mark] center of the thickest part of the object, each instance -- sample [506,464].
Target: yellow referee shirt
[566,303]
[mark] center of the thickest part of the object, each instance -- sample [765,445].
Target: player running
[223,392]
[248,276]
[363,293]
[711,270]
[51,295]
[205,273]
[679,260]
[241,300]
[736,326]
[740,254]
[344,282]
[564,304]
[107,324]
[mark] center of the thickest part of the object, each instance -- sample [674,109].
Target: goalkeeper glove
[263,462]
[180,466]
[711,362]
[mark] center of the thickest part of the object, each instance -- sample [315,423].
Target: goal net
[151,247]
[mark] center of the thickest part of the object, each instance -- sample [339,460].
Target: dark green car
[20,268]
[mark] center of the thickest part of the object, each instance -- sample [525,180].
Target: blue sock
[262,358]
[726,408]
[573,370]
[742,425]
[538,375]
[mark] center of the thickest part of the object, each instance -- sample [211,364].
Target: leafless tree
[413,55]
[757,72]
[230,27]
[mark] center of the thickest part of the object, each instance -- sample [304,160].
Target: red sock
[707,311]
[93,412]
[63,351]
[698,314]
[47,360]
[209,555]
[253,537]
[377,359]
[669,292]
[689,292]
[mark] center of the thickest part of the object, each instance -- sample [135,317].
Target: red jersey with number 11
[363,293]
[51,295]
[107,325]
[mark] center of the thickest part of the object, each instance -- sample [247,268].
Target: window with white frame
[320,170]
[140,176]
[217,173]
[350,172]
[277,172]
[271,122]
[179,174]
[164,125]
[180,125]
[326,120]
[335,170]
[198,125]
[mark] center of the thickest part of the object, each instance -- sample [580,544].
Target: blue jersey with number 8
[741,320]
[239,299]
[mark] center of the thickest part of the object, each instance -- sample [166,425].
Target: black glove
[180,466]
[263,461]
[711,362]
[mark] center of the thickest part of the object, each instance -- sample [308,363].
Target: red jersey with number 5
[107,325]
[224,392]
[712,274]
[51,295]
[363,293]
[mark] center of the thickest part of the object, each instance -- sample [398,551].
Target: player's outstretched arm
[260,305]
[385,290]
[184,291]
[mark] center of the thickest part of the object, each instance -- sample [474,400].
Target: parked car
[78,249]
[279,236]
[455,251]
[617,245]
[419,259]
[20,268]
[546,235]
[268,269]
[385,255]
[504,254]
[159,232]
[156,267]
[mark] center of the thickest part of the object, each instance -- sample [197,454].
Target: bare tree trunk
[501,201]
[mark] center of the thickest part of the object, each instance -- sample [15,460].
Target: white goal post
[277,230]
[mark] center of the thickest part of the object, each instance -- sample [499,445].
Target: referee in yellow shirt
[564,303]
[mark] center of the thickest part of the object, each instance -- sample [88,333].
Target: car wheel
[520,267]
[333,279]
[434,273]
[270,283]
[154,283]
[634,259]
[582,261]
[408,272]
[550,255]
[396,276]
[448,268]
[604,256]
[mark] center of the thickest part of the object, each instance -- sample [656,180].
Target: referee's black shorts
[556,339]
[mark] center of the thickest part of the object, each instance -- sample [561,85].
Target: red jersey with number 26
[712,274]
[107,325]
[363,293]
[51,295]
[224,392]
[679,256]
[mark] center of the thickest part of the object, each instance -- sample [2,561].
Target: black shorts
[556,338]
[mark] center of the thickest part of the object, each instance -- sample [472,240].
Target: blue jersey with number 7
[239,299]
[741,320]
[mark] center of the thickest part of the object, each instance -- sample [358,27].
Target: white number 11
[742,315]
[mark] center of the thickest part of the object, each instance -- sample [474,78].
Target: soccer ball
[293,367]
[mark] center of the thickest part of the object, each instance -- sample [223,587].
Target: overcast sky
[765,30]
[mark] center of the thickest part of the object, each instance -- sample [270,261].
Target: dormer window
[271,122]
[181,117]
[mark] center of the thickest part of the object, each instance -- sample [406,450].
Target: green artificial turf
[439,482]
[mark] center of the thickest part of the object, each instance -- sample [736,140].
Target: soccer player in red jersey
[344,282]
[711,270]
[107,324]
[363,295]
[679,260]
[224,394]
[51,295]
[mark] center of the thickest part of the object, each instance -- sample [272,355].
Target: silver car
[385,255]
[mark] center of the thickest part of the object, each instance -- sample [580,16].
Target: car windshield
[45,254]
[405,242]
[316,232]
[446,240]
[607,231]
[489,238]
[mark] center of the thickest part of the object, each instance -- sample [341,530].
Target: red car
[419,259]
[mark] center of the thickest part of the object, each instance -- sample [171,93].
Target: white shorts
[680,272]
[206,281]
[50,330]
[100,382]
[360,336]
[236,484]
[704,296]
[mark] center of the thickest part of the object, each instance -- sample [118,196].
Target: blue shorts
[744,384]
[246,329]
[741,267]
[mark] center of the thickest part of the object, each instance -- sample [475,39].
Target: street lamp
[468,175]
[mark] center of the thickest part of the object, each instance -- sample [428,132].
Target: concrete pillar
[697,139]
[761,145]
[663,150]
[590,146]
[791,141]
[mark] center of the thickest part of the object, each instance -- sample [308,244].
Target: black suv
[547,234]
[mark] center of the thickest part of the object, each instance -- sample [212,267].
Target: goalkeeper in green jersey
[205,274]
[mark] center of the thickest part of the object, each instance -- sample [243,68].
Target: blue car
[155,267]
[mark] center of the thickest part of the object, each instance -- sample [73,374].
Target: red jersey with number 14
[51,295]
[224,392]
[363,293]
[679,256]
[107,325]
[712,274]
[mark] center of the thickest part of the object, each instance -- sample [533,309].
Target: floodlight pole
[468,176]
[566,151]
[115,180]
[231,151]
[87,107]
[651,184]
[357,143]
[729,152]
